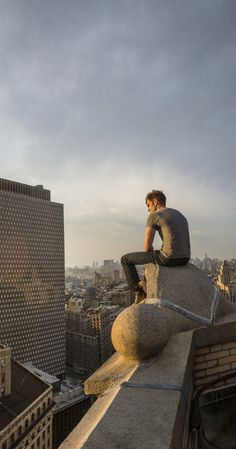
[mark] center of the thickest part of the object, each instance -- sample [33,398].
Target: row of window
[18,434]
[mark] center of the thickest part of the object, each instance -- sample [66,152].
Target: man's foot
[140,295]
[143,284]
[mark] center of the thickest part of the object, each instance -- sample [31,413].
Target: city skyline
[101,103]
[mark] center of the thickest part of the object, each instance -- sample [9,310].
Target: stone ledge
[141,418]
[223,332]
[111,373]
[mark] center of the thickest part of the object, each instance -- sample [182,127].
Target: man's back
[172,227]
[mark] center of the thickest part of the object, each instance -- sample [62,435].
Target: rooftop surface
[24,189]
[26,387]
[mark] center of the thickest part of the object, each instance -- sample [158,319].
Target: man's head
[155,200]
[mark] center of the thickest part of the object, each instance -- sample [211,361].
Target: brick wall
[211,362]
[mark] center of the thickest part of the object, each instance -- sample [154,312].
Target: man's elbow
[147,247]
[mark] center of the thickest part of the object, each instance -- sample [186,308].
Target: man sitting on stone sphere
[172,227]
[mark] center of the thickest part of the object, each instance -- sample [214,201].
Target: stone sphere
[140,331]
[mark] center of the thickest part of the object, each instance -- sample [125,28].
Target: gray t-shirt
[172,227]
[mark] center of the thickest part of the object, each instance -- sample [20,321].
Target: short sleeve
[152,221]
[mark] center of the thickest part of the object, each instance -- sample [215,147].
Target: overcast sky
[102,101]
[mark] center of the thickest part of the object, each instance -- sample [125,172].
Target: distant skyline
[103,101]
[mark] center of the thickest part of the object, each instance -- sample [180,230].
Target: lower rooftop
[25,388]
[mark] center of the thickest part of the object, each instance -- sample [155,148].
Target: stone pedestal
[142,330]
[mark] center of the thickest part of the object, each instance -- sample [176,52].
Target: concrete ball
[140,331]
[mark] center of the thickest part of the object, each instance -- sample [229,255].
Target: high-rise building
[88,338]
[116,275]
[32,276]
[225,283]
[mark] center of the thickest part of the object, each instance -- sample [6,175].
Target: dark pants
[129,261]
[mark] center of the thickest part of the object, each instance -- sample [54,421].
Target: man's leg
[129,261]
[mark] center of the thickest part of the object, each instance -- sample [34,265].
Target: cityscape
[56,322]
[117,144]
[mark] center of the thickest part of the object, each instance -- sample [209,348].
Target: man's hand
[148,238]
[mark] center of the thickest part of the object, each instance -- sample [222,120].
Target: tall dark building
[32,276]
[88,337]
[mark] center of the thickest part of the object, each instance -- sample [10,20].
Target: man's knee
[125,259]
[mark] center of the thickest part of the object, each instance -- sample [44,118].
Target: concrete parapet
[148,410]
[112,372]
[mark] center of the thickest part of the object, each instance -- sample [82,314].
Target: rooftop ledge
[146,403]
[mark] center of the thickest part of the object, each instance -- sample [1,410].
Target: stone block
[216,348]
[217,355]
[229,359]
[204,350]
[229,345]
[218,369]
[205,365]
[142,330]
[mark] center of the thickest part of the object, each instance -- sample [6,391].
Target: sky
[103,101]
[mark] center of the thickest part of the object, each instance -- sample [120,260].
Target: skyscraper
[88,337]
[32,276]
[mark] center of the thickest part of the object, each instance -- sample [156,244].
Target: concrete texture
[111,373]
[144,415]
[142,330]
[137,332]
[186,286]
[223,332]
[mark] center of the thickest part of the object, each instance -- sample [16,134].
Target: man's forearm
[148,239]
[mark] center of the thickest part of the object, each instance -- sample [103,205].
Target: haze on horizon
[103,101]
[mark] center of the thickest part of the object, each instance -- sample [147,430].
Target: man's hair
[159,195]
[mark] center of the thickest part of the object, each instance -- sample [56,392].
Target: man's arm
[148,238]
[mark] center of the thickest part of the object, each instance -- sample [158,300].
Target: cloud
[102,101]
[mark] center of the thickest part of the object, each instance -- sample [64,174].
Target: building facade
[88,338]
[70,403]
[32,276]
[25,411]
[5,371]
[225,282]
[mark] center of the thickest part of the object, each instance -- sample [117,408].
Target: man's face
[152,205]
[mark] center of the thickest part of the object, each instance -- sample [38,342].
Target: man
[172,227]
